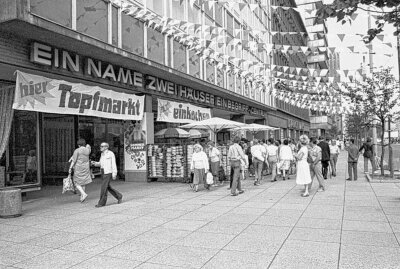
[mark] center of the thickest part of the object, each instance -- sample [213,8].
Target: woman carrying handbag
[80,166]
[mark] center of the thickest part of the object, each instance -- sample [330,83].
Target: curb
[374,180]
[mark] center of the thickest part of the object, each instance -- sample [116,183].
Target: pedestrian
[326,156]
[368,155]
[258,152]
[285,157]
[215,156]
[80,166]
[236,156]
[272,157]
[303,176]
[199,166]
[352,160]
[334,150]
[108,168]
[250,158]
[315,153]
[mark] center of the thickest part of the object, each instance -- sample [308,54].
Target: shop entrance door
[97,130]
[59,143]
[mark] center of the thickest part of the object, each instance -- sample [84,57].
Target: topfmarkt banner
[38,93]
[170,111]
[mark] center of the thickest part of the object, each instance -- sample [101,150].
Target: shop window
[92,18]
[115,26]
[229,24]
[155,46]
[22,153]
[58,144]
[194,64]
[132,35]
[59,11]
[179,57]
[210,72]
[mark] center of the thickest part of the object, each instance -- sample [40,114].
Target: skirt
[199,175]
[82,175]
[303,175]
[284,165]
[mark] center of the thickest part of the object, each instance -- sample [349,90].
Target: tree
[344,9]
[379,96]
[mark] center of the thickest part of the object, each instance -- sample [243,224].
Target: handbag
[209,178]
[68,184]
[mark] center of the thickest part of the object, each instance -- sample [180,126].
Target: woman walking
[285,157]
[199,166]
[81,166]
[303,176]
[272,158]
[334,149]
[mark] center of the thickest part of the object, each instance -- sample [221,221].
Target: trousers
[316,171]
[325,165]
[105,188]
[366,160]
[258,167]
[236,179]
[352,170]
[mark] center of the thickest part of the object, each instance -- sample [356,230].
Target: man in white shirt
[235,156]
[258,152]
[109,171]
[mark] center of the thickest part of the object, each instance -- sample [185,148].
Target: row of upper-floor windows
[106,22]
[300,112]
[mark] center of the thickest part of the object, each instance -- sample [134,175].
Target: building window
[194,64]
[219,13]
[210,72]
[157,6]
[178,10]
[132,35]
[114,26]
[220,78]
[179,57]
[91,18]
[59,11]
[155,46]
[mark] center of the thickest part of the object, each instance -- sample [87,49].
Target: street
[166,225]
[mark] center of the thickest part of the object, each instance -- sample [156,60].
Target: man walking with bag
[352,160]
[108,169]
[326,156]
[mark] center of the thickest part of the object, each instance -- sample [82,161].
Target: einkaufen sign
[37,93]
[61,59]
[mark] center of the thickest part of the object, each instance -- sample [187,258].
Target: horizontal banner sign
[170,111]
[37,93]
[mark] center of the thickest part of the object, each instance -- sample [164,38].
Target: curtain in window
[6,115]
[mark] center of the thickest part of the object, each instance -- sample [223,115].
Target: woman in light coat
[199,166]
[81,166]
[285,158]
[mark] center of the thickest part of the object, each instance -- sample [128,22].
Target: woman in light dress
[81,166]
[199,166]
[303,176]
[285,158]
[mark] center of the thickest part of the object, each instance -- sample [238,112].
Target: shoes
[98,206]
[349,179]
[83,197]
[256,183]
[242,191]
[234,194]
[320,189]
[305,195]
[119,200]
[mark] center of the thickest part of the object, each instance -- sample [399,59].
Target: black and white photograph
[209,134]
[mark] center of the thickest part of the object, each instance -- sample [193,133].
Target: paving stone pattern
[166,225]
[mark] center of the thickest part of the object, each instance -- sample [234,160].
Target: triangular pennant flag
[341,36]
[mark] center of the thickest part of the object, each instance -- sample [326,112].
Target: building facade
[292,120]
[110,70]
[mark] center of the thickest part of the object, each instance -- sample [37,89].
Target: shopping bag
[209,178]
[68,184]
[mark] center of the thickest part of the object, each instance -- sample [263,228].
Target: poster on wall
[134,146]
[38,93]
[170,111]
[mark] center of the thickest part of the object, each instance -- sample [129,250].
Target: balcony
[316,43]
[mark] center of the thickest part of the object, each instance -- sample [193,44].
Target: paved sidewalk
[351,225]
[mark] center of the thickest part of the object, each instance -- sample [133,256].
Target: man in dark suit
[326,156]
